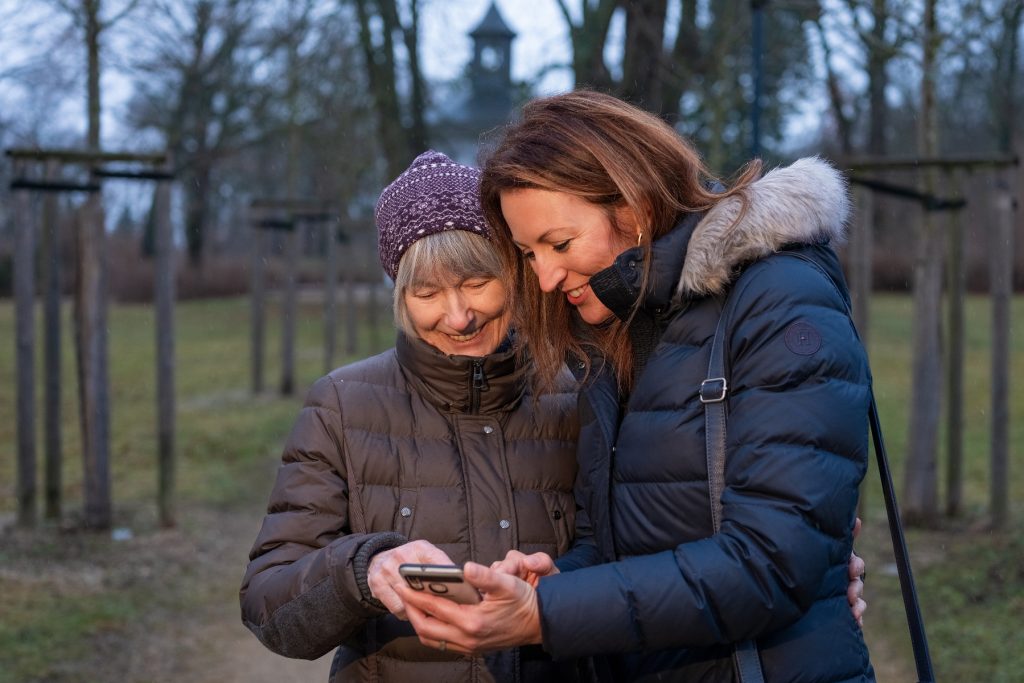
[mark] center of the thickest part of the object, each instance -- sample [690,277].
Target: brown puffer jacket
[410,444]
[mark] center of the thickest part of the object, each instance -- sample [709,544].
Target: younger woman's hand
[529,568]
[507,616]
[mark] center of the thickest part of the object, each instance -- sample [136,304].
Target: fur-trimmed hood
[805,202]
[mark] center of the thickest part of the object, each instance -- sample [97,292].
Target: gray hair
[442,259]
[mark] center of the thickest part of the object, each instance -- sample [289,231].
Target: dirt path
[232,652]
[182,585]
[217,647]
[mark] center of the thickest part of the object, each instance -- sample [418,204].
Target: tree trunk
[164,294]
[381,70]
[293,240]
[25,326]
[643,54]
[878,59]
[843,124]
[197,196]
[290,309]
[1002,294]
[685,59]
[330,295]
[51,350]
[257,304]
[91,338]
[351,305]
[861,248]
[419,138]
[879,55]
[91,311]
[588,43]
[956,293]
[921,483]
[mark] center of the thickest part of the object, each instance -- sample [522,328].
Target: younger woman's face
[566,240]
[467,318]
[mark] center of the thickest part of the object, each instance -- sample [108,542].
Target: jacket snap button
[488,429]
[557,514]
[405,512]
[504,524]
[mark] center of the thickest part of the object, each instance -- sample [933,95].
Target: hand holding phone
[444,580]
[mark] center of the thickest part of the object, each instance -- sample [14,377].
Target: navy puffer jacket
[648,583]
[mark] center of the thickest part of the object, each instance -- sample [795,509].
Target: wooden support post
[24,297]
[351,312]
[861,266]
[52,428]
[920,491]
[956,291]
[330,292]
[91,344]
[257,303]
[861,250]
[1001,252]
[164,295]
[290,309]
[372,315]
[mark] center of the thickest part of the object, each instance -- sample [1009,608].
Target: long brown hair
[611,154]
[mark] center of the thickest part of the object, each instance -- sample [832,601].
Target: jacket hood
[806,202]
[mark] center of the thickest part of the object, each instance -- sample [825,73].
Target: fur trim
[803,203]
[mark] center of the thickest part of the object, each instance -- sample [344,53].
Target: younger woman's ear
[628,221]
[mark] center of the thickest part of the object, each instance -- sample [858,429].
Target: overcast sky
[542,40]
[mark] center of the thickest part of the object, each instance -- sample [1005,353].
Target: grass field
[66,596]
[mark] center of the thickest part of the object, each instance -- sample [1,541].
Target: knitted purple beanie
[433,195]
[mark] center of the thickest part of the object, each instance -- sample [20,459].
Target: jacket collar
[804,203]
[448,382]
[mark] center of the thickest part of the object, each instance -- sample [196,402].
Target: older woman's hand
[855,591]
[507,615]
[383,578]
[529,568]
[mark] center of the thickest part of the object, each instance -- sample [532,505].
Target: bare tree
[401,125]
[696,72]
[589,36]
[200,58]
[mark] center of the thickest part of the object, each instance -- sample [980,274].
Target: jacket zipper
[478,384]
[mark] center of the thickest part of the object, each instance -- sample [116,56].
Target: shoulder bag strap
[713,391]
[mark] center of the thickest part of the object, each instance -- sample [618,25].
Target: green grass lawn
[971,580]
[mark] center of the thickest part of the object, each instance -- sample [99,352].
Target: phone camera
[415,583]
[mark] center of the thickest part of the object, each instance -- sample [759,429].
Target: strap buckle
[713,390]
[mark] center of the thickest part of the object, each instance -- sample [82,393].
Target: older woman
[431,452]
[623,256]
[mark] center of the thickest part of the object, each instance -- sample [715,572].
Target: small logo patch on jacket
[802,339]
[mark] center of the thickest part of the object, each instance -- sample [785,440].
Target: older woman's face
[566,240]
[467,318]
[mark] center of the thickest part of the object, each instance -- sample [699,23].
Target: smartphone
[445,580]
